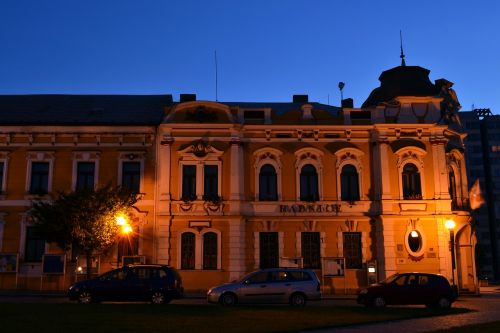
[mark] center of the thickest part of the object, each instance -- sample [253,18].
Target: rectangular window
[35,245]
[1,175]
[131,176]
[269,251]
[39,178]
[311,249]
[352,249]
[189,182]
[85,172]
[211,182]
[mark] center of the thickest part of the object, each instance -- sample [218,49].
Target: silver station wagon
[295,286]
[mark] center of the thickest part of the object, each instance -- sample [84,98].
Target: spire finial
[402,56]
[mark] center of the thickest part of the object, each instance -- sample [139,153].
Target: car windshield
[390,279]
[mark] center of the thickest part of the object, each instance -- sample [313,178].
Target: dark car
[295,286]
[432,290]
[158,284]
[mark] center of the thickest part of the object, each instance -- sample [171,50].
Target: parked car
[432,290]
[158,284]
[274,285]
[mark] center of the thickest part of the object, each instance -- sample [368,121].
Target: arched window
[452,185]
[210,250]
[349,183]
[411,182]
[309,183]
[268,183]
[187,250]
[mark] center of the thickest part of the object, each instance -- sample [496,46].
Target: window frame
[39,156]
[311,156]
[4,158]
[269,196]
[262,157]
[85,156]
[199,248]
[132,156]
[348,264]
[308,250]
[350,177]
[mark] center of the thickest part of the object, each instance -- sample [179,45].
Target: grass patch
[122,318]
[493,327]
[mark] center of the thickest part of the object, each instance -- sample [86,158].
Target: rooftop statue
[450,105]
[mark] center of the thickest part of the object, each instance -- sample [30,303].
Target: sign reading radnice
[310,208]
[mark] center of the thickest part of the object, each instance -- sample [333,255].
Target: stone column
[441,191]
[381,174]
[163,210]
[237,176]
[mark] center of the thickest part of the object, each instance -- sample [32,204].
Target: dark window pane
[189,182]
[414,241]
[131,176]
[35,245]
[85,175]
[269,252]
[452,185]
[211,183]
[311,249]
[411,182]
[187,250]
[1,175]
[210,250]
[352,249]
[349,183]
[309,183]
[268,183]
[39,178]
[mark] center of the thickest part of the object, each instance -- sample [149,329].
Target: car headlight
[363,291]
[209,292]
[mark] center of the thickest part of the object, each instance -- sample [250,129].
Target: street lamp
[450,225]
[123,223]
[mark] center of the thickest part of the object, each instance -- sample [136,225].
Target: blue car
[158,284]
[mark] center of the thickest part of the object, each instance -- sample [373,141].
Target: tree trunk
[89,264]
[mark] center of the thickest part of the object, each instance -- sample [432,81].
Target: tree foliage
[85,218]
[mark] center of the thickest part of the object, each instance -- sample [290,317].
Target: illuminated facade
[231,187]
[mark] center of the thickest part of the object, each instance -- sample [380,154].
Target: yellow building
[355,193]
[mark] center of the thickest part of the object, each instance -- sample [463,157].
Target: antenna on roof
[216,87]
[402,56]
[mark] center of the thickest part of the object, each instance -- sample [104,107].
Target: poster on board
[8,262]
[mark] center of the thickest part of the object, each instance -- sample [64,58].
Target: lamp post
[450,225]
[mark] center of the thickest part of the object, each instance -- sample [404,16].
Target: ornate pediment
[201,150]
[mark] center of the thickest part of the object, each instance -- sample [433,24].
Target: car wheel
[158,297]
[228,299]
[379,302]
[444,303]
[298,299]
[85,297]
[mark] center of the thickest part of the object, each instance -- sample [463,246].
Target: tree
[85,218]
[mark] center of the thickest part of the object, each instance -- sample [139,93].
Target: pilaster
[237,247]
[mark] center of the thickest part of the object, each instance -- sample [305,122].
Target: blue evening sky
[267,50]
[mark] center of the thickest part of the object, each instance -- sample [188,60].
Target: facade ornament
[449,105]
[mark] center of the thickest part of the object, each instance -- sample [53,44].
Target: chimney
[187,98]
[348,103]
[307,111]
[300,98]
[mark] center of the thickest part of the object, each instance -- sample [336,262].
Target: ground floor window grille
[352,249]
[311,249]
[269,252]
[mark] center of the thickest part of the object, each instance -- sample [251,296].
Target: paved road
[487,310]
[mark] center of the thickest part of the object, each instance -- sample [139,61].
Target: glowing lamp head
[79,269]
[120,220]
[414,234]
[126,229]
[449,224]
